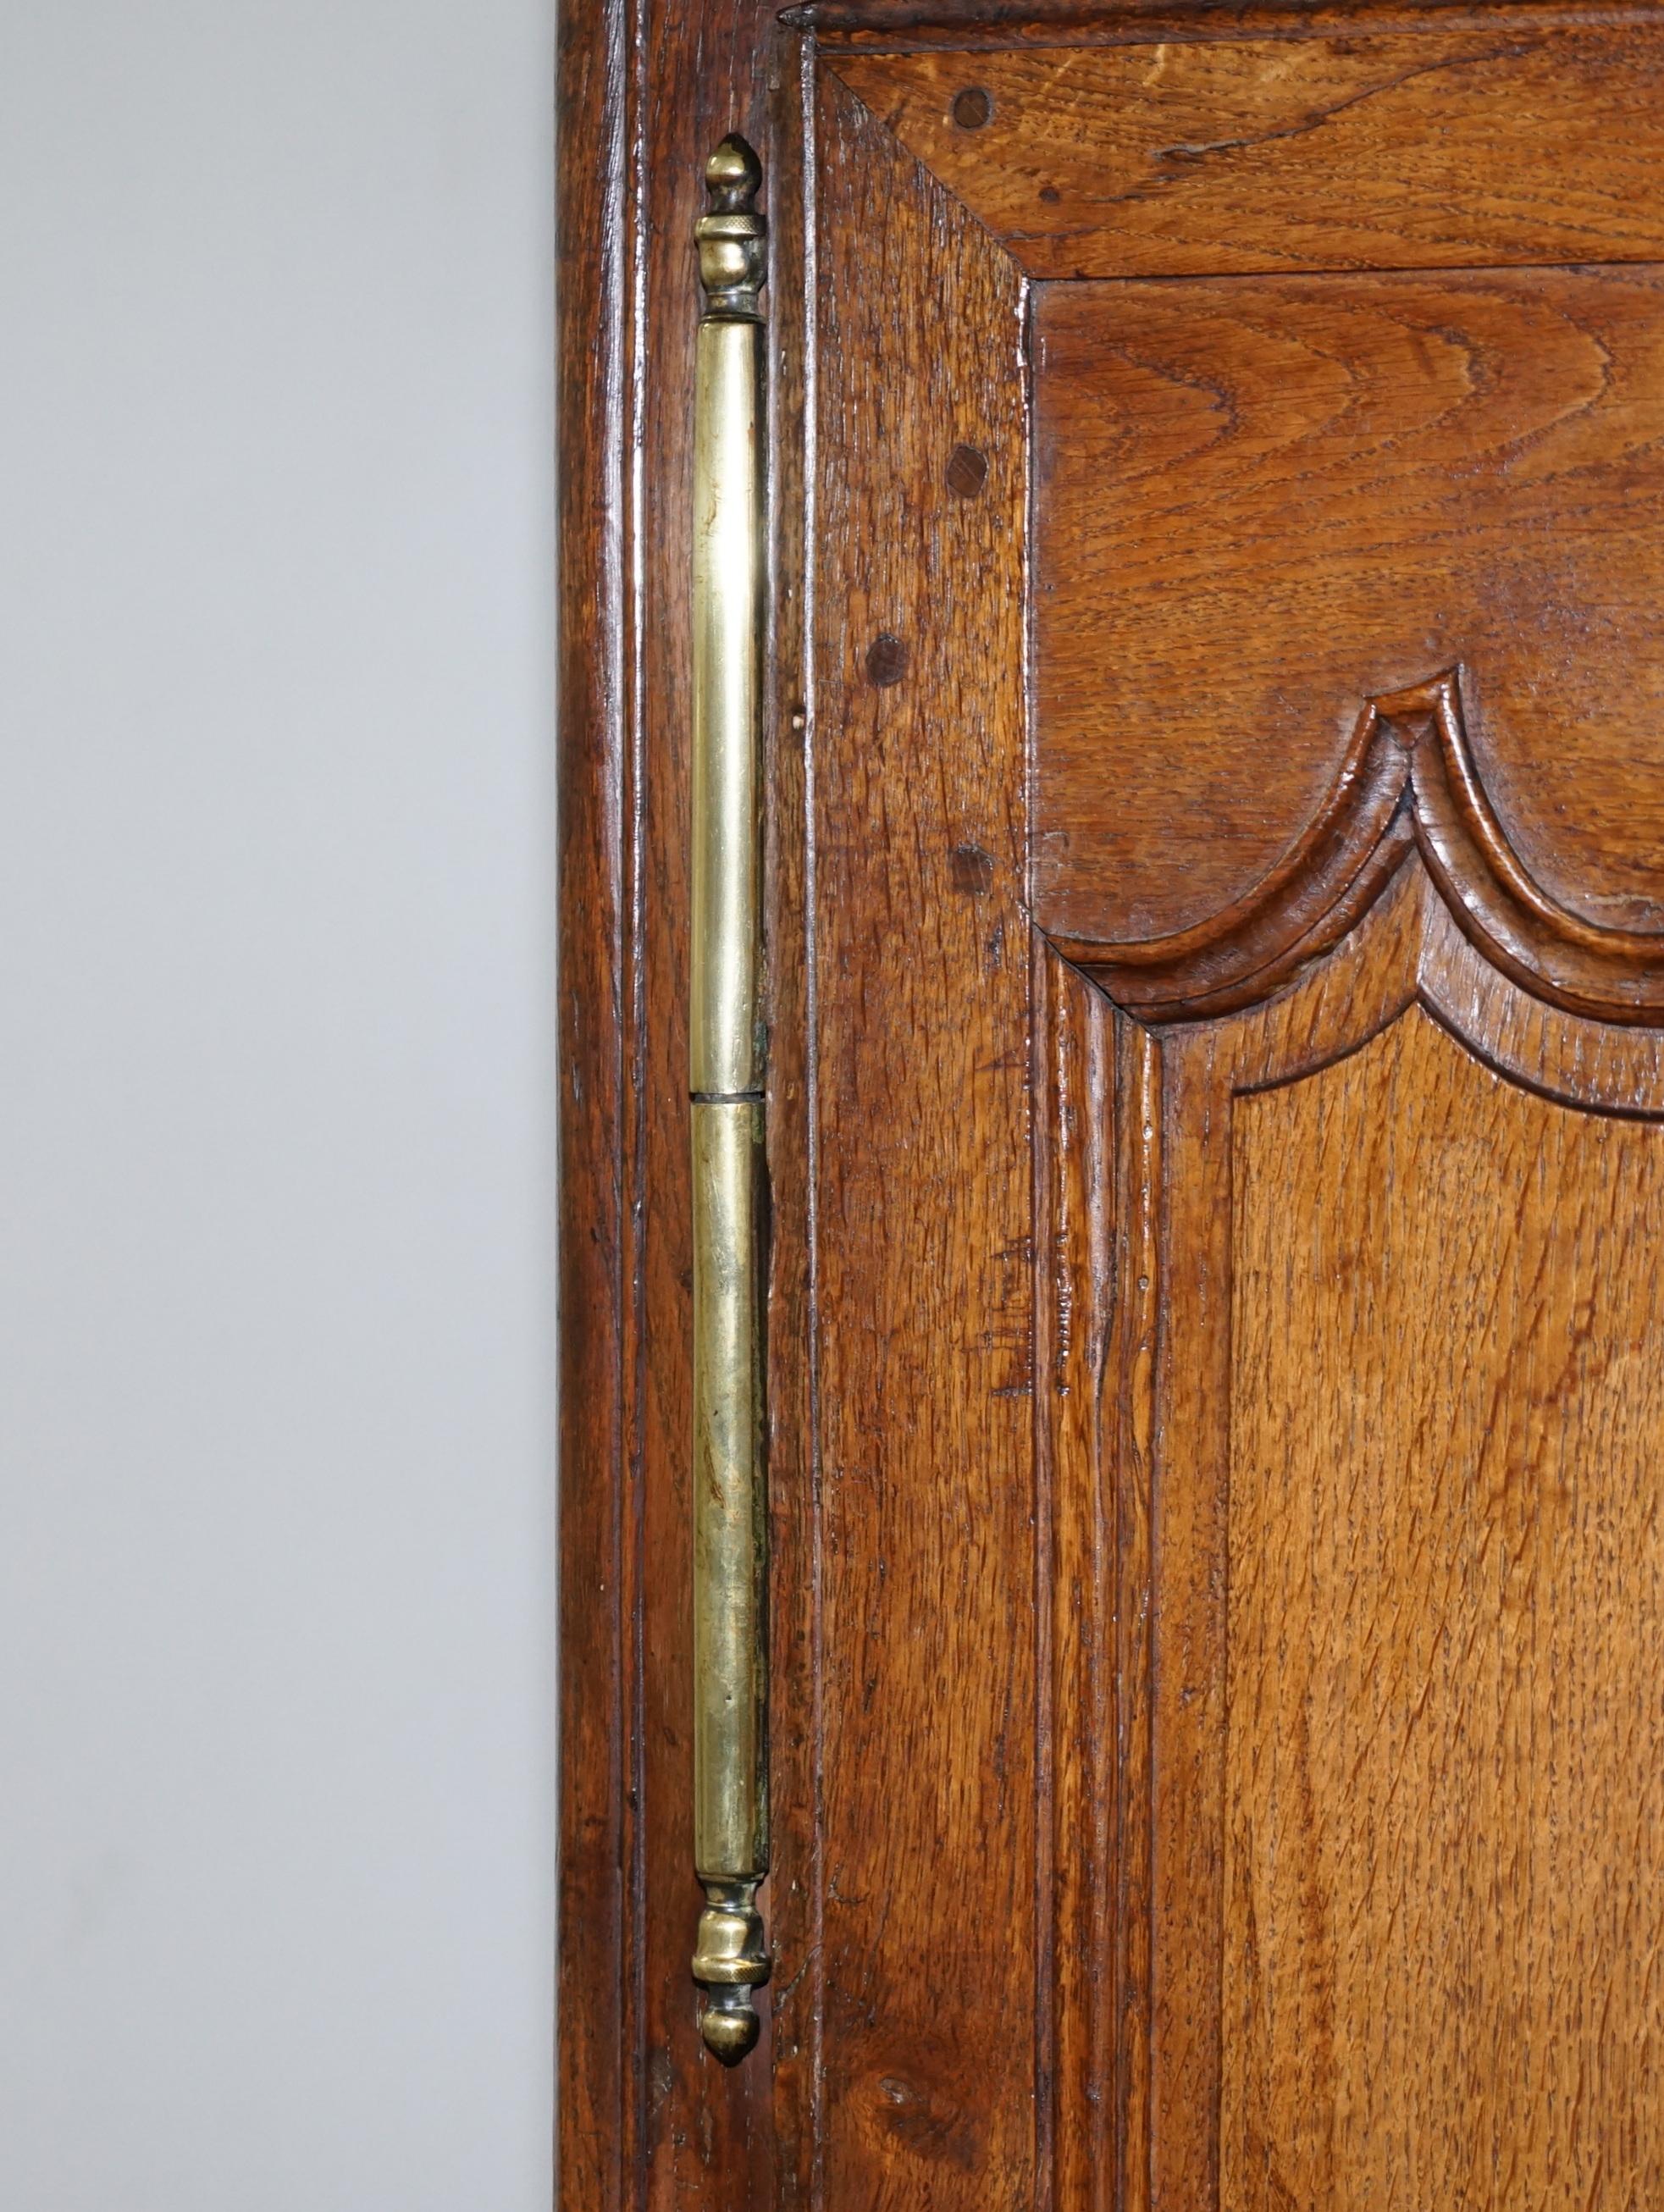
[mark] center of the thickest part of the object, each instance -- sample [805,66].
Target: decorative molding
[906,24]
[1408,786]
[1135,1290]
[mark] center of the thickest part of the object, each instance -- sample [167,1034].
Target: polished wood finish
[1327,489]
[1408,784]
[1216,1061]
[1378,152]
[927,1741]
[1444,1769]
[1379,1399]
[1097,1318]
[596,2149]
[842,26]
[644,2112]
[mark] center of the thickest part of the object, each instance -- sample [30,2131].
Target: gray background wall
[277,1580]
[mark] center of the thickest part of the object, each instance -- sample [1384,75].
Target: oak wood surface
[1444,1785]
[645,2116]
[1098,1143]
[927,1741]
[974,26]
[1114,1840]
[594,2150]
[793,1892]
[1221,2087]
[1326,489]
[1379,151]
[1409,785]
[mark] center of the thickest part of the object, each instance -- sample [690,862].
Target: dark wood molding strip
[594,2142]
[896,25]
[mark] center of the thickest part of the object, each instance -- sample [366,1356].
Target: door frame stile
[645,89]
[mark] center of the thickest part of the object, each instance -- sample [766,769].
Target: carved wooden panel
[1347,731]
[1354,1365]
[1408,782]
[1217,1057]
[1260,503]
[1345,1044]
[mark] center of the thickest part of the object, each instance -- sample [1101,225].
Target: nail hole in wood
[967,471]
[972,107]
[972,870]
[886,659]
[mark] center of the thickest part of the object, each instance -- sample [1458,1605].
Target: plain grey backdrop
[277,1094]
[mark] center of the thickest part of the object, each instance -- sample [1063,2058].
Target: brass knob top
[733,263]
[733,168]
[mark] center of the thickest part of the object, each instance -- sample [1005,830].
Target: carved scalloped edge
[1408,783]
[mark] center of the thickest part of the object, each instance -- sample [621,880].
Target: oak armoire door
[1214,985]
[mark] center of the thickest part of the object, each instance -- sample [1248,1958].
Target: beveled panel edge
[1097,1132]
[1591,1067]
[1171,1220]
[1134,1144]
[1408,782]
[1133,1284]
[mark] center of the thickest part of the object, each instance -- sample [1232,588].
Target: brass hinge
[730,1534]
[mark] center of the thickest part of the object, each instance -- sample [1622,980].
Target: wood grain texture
[921,972]
[792,1895]
[1436,1284]
[1262,502]
[645,2117]
[1392,151]
[1222,2040]
[1408,784]
[970,25]
[1076,1126]
[1444,1722]
[594,2097]
[1098,1128]
[1047,1906]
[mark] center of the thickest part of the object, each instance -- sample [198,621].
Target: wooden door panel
[1215,949]
[1353,1375]
[1174,157]
[1444,1717]
[1262,501]
[1338,1060]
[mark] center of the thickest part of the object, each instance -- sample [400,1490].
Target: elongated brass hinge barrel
[730,1536]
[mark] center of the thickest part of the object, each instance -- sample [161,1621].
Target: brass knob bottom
[729,1962]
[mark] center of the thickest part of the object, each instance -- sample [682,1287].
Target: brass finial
[733,263]
[730,1962]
